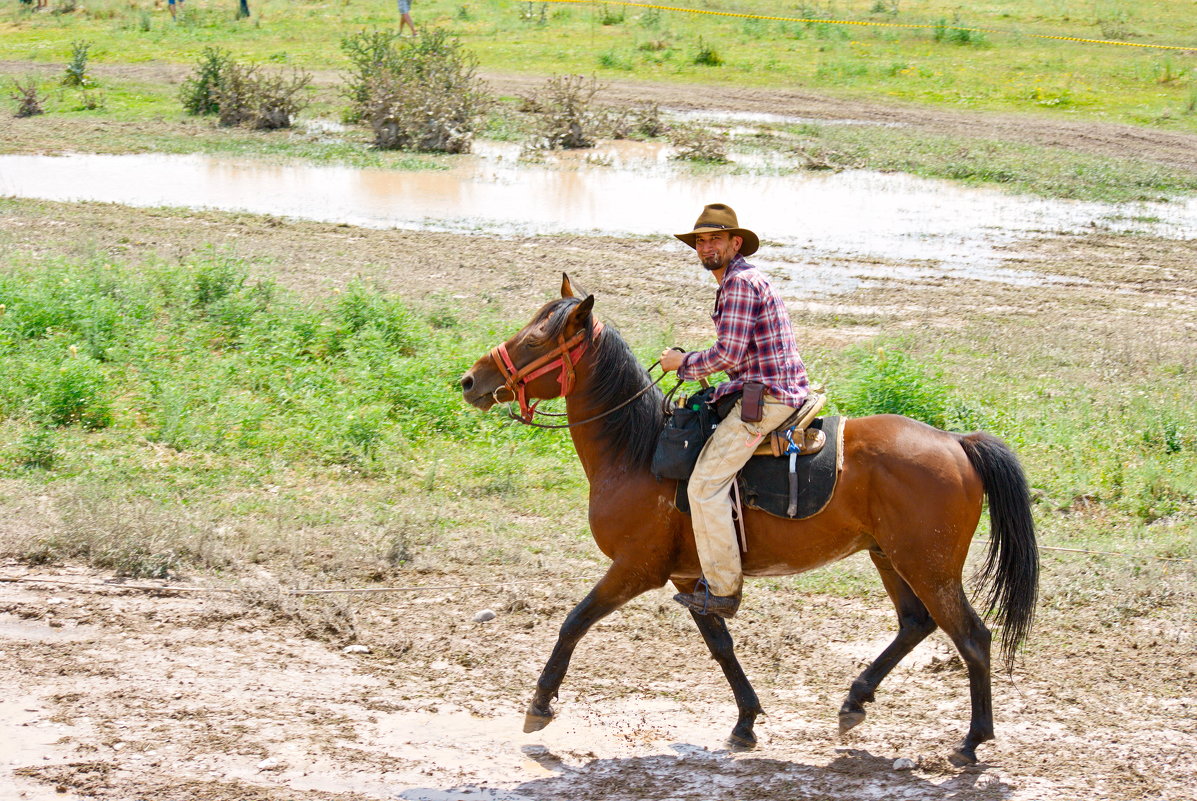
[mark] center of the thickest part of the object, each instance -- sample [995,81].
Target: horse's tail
[1010,576]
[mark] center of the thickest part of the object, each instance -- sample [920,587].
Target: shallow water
[806,220]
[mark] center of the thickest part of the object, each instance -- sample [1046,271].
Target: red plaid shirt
[754,339]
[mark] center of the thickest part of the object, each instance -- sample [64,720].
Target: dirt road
[113,694]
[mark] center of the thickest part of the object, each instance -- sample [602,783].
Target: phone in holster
[752,403]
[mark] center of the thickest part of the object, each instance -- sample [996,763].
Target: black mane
[630,432]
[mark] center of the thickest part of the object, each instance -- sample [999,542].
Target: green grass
[939,64]
[195,415]
[1046,171]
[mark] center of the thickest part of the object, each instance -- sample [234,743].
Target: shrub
[648,120]
[566,114]
[246,96]
[200,91]
[707,55]
[92,101]
[372,54]
[76,71]
[427,96]
[608,16]
[890,382]
[75,394]
[957,34]
[39,451]
[695,143]
[29,98]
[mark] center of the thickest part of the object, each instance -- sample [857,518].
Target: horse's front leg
[719,642]
[621,584]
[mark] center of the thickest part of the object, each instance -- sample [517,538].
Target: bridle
[565,355]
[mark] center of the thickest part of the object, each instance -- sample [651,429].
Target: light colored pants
[727,450]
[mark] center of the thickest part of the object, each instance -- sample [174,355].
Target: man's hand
[671,359]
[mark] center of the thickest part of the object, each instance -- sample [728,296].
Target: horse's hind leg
[949,607]
[718,639]
[617,587]
[914,624]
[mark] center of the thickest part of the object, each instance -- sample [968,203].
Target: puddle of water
[766,118]
[620,188]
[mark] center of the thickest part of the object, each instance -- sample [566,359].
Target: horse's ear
[582,311]
[568,290]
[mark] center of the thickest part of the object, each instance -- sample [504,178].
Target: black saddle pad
[765,480]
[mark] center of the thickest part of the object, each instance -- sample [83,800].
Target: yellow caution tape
[870,23]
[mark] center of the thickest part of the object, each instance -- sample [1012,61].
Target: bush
[707,55]
[890,382]
[566,117]
[200,91]
[695,143]
[426,97]
[75,394]
[28,97]
[39,451]
[76,71]
[372,53]
[246,96]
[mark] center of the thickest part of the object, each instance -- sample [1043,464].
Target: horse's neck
[587,437]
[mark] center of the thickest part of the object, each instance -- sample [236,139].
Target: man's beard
[715,263]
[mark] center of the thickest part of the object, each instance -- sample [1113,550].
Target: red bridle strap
[565,355]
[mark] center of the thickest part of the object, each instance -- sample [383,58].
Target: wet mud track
[113,694]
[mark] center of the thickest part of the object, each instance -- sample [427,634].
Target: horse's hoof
[536,722]
[962,759]
[741,741]
[850,720]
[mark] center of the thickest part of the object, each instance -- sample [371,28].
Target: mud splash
[806,219]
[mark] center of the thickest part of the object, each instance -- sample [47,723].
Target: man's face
[717,249]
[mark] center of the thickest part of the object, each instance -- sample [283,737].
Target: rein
[599,416]
[567,354]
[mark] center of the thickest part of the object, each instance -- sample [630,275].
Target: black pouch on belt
[752,407]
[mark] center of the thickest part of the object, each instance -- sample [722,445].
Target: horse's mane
[631,431]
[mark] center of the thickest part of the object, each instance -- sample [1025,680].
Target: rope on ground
[874,24]
[1100,553]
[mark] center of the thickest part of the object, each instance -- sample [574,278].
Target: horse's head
[538,362]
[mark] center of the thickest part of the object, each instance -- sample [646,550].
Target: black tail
[1010,576]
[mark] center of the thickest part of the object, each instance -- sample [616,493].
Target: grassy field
[204,392]
[940,63]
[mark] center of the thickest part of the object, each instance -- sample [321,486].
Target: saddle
[792,472]
[795,435]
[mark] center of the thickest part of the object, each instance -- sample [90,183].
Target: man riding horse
[754,345]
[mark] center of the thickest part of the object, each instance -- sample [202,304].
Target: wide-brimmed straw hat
[720,217]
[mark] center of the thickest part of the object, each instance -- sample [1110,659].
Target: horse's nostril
[467,383]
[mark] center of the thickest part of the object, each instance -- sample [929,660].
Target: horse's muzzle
[475,394]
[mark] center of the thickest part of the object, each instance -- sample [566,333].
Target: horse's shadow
[696,774]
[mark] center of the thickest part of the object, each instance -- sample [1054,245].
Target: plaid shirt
[754,339]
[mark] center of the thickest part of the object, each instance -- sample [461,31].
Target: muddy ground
[111,693]
[114,694]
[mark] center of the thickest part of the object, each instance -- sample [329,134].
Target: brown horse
[909,494]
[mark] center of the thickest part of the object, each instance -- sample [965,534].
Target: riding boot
[704,603]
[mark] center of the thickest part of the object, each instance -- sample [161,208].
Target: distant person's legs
[405,17]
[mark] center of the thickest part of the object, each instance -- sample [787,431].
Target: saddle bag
[687,428]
